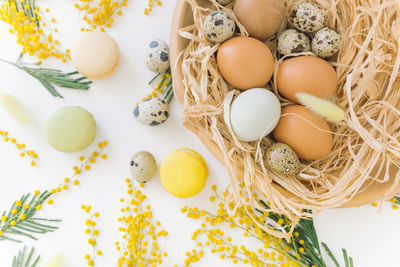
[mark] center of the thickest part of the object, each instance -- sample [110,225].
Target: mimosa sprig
[305,242]
[24,259]
[139,246]
[301,250]
[50,78]
[21,220]
[93,233]
[32,31]
[394,200]
[21,147]
[99,14]
[163,87]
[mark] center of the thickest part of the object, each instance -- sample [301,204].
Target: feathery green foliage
[305,236]
[28,12]
[21,220]
[25,260]
[395,199]
[165,85]
[50,78]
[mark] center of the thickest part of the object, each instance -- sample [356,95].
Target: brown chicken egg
[306,74]
[261,18]
[305,132]
[245,62]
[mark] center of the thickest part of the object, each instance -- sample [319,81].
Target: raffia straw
[366,145]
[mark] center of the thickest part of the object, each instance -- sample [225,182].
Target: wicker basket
[370,191]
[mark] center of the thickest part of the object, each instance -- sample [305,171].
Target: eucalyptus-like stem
[21,219]
[164,86]
[50,78]
[24,259]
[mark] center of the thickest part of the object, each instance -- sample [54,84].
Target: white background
[370,236]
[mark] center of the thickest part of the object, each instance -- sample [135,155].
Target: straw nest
[364,164]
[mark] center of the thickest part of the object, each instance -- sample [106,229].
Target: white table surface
[371,237]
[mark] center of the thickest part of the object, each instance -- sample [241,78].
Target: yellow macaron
[183,173]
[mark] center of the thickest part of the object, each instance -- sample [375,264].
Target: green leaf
[351,262]
[154,78]
[330,254]
[50,78]
[52,90]
[346,259]
[168,91]
[24,260]
[31,225]
[28,260]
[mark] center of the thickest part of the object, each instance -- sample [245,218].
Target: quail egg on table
[152,112]
[143,166]
[219,26]
[308,17]
[157,56]
[292,41]
[224,2]
[326,42]
[281,159]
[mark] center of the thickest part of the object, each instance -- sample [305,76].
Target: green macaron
[70,129]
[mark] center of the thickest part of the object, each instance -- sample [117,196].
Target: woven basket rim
[374,192]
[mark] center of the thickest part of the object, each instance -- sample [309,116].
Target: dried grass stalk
[366,144]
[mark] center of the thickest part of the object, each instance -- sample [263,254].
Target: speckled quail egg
[292,41]
[219,26]
[308,17]
[152,112]
[157,56]
[326,42]
[224,2]
[143,166]
[281,158]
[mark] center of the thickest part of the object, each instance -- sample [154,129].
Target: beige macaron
[95,54]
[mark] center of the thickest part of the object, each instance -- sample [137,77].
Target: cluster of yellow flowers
[140,236]
[193,256]
[18,220]
[25,209]
[165,82]
[394,200]
[18,213]
[93,232]
[100,13]
[28,25]
[86,165]
[273,251]
[21,147]
[150,6]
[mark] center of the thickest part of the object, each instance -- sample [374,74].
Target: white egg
[254,114]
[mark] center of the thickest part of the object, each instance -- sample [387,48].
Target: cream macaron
[95,54]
